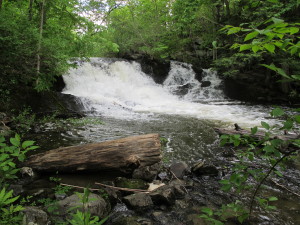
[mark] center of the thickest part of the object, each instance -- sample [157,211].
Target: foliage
[271,153]
[60,189]
[10,155]
[84,217]
[24,120]
[10,213]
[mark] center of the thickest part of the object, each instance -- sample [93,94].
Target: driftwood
[122,155]
[258,135]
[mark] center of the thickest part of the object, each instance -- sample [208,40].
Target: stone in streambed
[203,168]
[179,169]
[163,195]
[34,215]
[96,205]
[139,201]
[147,173]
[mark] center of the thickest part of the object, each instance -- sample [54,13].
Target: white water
[120,89]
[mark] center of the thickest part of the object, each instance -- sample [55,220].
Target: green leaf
[296,77]
[15,141]
[214,44]
[208,211]
[271,67]
[234,30]
[265,125]
[251,35]
[25,144]
[288,125]
[273,198]
[254,130]
[273,1]
[297,118]
[270,47]
[255,48]
[245,47]
[277,21]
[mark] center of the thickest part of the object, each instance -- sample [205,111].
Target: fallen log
[122,155]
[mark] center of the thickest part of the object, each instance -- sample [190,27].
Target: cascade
[119,89]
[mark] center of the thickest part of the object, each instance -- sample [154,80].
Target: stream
[120,100]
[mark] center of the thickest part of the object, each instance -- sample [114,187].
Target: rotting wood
[124,155]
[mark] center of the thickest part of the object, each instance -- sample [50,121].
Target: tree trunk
[122,155]
[38,66]
[30,10]
[1,4]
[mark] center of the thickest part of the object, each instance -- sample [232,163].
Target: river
[120,100]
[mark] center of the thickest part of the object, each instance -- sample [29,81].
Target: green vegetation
[270,154]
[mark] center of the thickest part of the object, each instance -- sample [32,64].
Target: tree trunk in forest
[122,155]
[38,66]
[226,2]
[1,4]
[30,10]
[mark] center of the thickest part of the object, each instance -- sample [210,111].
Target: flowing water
[129,102]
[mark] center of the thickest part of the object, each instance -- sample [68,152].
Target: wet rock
[34,215]
[159,216]
[178,188]
[60,196]
[130,220]
[194,219]
[96,205]
[113,195]
[204,168]
[155,184]
[139,202]
[205,83]
[131,183]
[147,173]
[179,169]
[163,176]
[163,195]
[17,189]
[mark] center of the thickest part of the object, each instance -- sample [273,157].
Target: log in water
[122,155]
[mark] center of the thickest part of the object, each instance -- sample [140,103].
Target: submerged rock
[139,202]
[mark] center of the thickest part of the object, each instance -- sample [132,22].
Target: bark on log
[122,155]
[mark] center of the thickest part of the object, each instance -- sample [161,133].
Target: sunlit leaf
[251,35]
[270,47]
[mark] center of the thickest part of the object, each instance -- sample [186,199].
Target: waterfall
[119,89]
[181,81]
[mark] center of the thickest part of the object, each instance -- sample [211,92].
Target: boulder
[163,195]
[139,201]
[34,215]
[179,169]
[96,205]
[147,173]
[204,168]
[205,83]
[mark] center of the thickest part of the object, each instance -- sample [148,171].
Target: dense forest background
[39,37]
